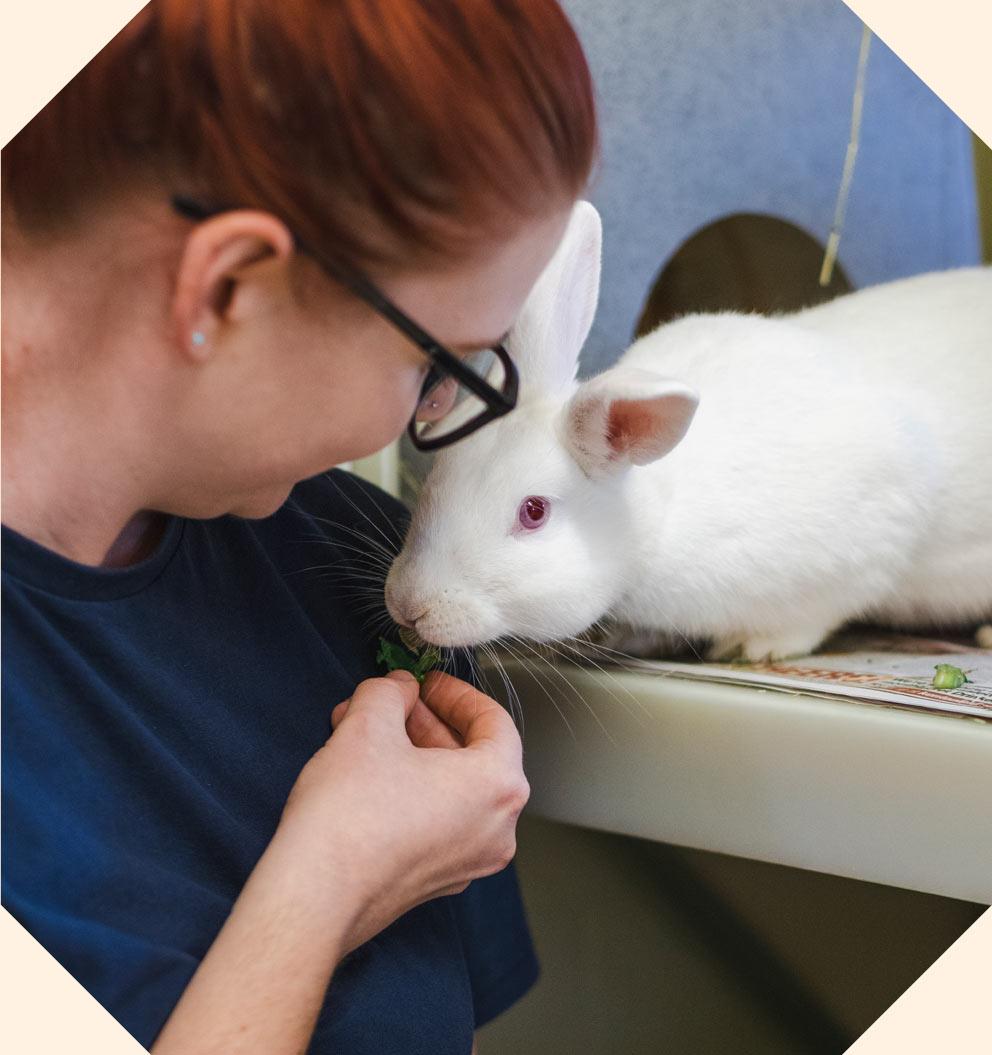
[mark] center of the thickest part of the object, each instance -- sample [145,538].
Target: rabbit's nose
[400,614]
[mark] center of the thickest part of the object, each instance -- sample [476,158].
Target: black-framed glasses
[459,395]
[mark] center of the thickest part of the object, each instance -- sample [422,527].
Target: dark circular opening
[745,262]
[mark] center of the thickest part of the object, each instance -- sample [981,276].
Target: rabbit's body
[839,465]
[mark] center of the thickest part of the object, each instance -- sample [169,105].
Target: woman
[230,245]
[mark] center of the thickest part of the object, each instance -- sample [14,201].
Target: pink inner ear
[643,430]
[630,428]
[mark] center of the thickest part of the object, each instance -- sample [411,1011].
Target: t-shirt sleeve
[496,941]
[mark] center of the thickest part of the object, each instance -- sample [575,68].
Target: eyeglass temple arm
[368,292]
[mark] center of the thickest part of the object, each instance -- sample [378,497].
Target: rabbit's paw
[767,649]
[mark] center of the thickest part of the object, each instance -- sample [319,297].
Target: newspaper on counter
[867,665]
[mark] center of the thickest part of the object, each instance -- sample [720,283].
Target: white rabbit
[839,465]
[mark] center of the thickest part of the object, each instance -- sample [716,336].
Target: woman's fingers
[427,730]
[400,696]
[447,712]
[423,726]
[475,717]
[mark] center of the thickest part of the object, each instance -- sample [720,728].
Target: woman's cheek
[383,417]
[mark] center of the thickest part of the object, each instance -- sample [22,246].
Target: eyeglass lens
[446,405]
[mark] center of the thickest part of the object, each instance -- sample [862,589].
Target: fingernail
[401,675]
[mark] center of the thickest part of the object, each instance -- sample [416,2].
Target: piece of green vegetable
[948,676]
[396,657]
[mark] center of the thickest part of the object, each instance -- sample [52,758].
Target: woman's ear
[626,417]
[556,318]
[221,254]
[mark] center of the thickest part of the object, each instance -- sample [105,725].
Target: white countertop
[875,793]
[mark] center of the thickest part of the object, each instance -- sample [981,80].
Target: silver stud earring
[199,338]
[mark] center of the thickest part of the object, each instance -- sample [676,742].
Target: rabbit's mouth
[453,637]
[411,639]
[456,626]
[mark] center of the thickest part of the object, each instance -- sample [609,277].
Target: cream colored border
[946,1011]
[43,43]
[45,1009]
[946,44]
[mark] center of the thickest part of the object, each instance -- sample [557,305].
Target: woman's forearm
[261,985]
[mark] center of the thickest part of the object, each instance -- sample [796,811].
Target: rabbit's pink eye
[533,512]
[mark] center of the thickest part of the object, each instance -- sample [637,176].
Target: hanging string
[833,242]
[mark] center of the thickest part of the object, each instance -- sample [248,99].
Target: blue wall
[710,107]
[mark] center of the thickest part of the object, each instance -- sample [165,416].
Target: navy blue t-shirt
[154,720]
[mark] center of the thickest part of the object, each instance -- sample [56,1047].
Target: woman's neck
[76,438]
[73,522]
[66,485]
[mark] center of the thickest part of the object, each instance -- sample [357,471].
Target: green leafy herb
[948,676]
[396,657]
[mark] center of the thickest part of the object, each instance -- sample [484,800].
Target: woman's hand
[416,793]
[409,799]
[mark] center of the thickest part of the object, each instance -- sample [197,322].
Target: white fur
[839,465]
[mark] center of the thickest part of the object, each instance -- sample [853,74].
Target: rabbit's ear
[626,417]
[555,320]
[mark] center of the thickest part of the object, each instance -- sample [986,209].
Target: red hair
[381,131]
